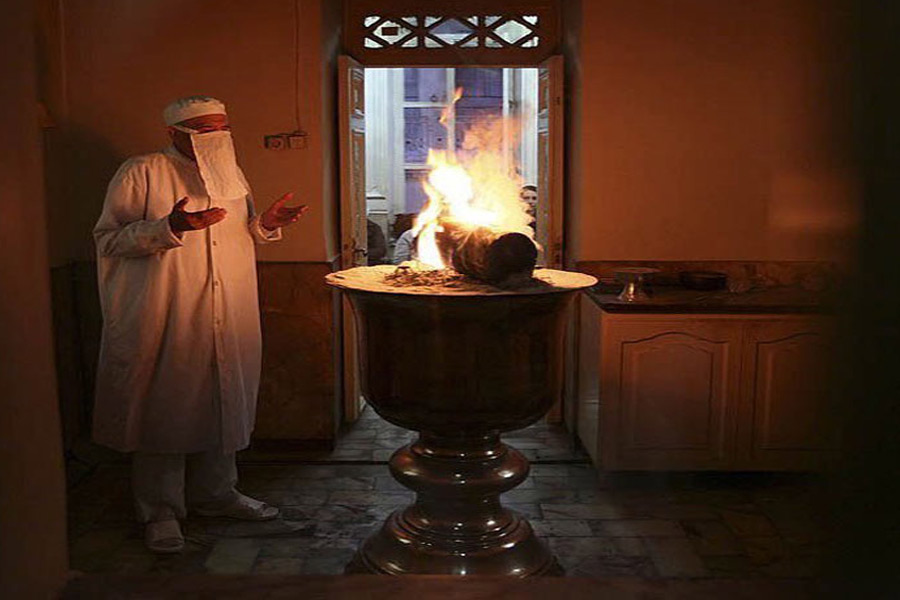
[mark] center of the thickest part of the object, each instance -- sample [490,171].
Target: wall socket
[286,141]
[275,142]
[297,141]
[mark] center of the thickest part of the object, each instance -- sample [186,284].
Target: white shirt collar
[173,152]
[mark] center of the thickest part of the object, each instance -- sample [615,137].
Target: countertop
[663,299]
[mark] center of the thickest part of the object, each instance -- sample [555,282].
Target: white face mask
[214,152]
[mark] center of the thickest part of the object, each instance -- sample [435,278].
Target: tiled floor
[647,525]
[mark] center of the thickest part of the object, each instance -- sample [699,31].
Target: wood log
[496,257]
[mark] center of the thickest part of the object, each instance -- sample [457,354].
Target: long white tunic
[181,347]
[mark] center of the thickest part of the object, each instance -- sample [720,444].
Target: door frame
[353,243]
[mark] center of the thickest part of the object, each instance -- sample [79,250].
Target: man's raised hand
[181,220]
[279,215]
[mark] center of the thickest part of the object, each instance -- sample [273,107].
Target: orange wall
[33,558]
[708,129]
[124,61]
[711,130]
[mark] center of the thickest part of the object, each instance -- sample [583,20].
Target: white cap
[190,107]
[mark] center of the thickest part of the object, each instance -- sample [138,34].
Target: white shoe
[244,508]
[164,537]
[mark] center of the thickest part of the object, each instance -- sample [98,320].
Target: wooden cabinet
[787,410]
[723,392]
[667,390]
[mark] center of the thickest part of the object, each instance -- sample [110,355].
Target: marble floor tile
[581,511]
[353,513]
[646,528]
[332,530]
[712,538]
[747,522]
[131,558]
[336,483]
[599,524]
[563,528]
[526,509]
[229,528]
[359,433]
[279,565]
[764,551]
[93,551]
[300,512]
[328,562]
[629,546]
[233,556]
[191,561]
[551,483]
[382,455]
[285,548]
[296,496]
[675,557]
[672,511]
[368,498]
[545,496]
[793,567]
[734,566]
[546,470]
[575,549]
[387,483]
[613,566]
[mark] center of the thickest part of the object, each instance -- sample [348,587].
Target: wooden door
[788,418]
[549,230]
[351,98]
[667,390]
[550,162]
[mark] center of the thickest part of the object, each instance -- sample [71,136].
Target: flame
[445,114]
[476,186]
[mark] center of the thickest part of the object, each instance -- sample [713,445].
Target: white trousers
[164,484]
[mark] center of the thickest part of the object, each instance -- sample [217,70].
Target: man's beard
[214,152]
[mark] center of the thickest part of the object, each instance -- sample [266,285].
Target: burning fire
[475,187]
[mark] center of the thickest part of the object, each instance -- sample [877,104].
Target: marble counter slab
[783,300]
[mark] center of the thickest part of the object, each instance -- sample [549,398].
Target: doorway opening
[403,122]
[386,133]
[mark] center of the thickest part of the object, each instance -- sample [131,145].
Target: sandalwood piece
[496,257]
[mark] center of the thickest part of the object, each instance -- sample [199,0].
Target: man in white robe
[181,347]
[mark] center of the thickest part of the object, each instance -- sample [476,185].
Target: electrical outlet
[296,141]
[275,142]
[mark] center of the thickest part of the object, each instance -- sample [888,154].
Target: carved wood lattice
[481,31]
[418,33]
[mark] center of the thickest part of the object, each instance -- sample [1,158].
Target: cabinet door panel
[787,406]
[588,418]
[671,386]
[668,389]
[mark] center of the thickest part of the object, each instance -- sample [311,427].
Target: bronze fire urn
[459,367]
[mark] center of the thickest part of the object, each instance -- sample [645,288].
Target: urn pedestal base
[457,526]
[459,364]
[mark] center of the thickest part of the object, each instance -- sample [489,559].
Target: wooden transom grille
[422,32]
[480,31]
